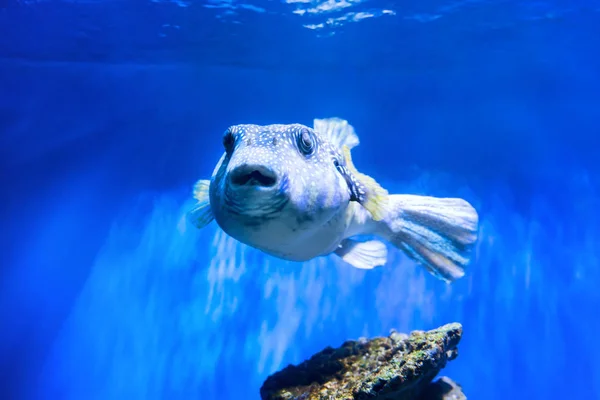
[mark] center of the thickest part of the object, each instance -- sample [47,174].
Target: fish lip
[251,175]
[256,204]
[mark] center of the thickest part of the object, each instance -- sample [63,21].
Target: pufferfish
[293,192]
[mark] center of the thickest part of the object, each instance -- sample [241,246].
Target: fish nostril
[253,177]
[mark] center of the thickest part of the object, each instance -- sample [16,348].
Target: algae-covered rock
[397,367]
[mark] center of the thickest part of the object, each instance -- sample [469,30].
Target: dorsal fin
[336,131]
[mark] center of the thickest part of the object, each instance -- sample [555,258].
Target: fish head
[287,174]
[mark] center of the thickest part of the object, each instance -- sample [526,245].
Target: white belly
[292,239]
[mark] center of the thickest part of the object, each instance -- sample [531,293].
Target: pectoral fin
[201,214]
[365,189]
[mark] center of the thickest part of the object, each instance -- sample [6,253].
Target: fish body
[268,193]
[293,192]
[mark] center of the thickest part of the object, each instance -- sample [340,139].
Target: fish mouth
[253,176]
[253,203]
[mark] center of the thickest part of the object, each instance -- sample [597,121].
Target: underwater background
[110,110]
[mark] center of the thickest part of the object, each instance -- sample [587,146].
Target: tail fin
[437,232]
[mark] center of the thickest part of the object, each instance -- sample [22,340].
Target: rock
[443,389]
[397,367]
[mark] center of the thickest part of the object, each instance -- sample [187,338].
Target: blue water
[110,110]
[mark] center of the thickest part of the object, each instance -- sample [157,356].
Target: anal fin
[362,255]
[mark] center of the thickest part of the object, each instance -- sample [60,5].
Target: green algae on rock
[397,367]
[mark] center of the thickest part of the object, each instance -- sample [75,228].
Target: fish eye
[306,142]
[228,140]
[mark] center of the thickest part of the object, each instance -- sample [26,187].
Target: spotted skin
[293,192]
[307,210]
